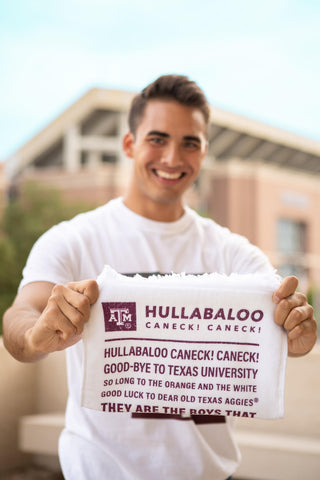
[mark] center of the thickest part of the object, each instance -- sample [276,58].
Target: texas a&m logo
[119,316]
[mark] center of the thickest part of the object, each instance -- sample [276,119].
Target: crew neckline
[144,223]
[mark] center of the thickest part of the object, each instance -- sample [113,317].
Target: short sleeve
[51,259]
[243,257]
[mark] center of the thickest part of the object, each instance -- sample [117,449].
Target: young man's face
[168,149]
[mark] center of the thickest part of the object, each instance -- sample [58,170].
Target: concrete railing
[17,398]
[271,456]
[26,389]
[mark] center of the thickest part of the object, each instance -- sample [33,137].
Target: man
[149,230]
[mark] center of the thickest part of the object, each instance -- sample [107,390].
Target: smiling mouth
[169,176]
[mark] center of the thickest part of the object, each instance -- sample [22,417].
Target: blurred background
[68,71]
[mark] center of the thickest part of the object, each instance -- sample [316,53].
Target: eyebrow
[158,133]
[166,135]
[192,138]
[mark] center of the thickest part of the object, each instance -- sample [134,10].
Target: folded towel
[185,345]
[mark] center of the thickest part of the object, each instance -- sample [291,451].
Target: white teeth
[167,175]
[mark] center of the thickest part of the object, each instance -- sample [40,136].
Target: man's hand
[62,321]
[45,318]
[295,314]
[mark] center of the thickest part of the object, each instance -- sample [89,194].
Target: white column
[71,150]
[94,160]
[123,129]
[124,163]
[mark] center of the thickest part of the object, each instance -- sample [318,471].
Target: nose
[171,155]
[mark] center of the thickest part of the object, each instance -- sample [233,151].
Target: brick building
[257,180]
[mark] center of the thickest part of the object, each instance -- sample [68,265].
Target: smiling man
[167,148]
[149,230]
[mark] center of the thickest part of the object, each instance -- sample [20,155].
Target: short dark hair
[168,87]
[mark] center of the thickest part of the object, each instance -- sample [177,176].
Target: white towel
[185,345]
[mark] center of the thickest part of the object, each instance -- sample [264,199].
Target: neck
[160,212]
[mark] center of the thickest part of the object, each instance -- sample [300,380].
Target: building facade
[257,180]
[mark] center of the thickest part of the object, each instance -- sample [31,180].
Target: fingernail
[276,299]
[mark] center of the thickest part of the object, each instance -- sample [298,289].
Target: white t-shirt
[116,446]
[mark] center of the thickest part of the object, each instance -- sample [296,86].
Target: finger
[53,332]
[288,287]
[72,317]
[297,316]
[64,325]
[52,327]
[74,308]
[304,329]
[89,288]
[286,305]
[302,338]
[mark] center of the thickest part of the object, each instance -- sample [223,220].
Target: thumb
[287,287]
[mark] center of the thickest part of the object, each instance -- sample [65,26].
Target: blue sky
[257,58]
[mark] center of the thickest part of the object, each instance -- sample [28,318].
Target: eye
[190,145]
[156,141]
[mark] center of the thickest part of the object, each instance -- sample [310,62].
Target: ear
[206,148]
[128,144]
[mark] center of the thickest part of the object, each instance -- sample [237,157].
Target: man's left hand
[295,314]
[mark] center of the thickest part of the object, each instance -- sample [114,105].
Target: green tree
[313,296]
[25,218]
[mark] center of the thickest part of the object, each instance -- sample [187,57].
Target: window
[291,237]
[292,244]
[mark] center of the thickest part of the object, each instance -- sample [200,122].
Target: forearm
[18,322]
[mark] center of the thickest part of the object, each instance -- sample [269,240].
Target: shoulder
[58,254]
[233,252]
[82,222]
[213,230]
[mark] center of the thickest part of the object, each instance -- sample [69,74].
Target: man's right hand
[61,323]
[45,318]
